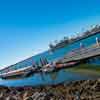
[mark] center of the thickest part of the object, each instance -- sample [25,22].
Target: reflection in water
[54,75]
[50,78]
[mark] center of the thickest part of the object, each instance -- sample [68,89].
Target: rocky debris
[76,90]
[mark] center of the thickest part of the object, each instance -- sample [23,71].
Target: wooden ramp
[81,54]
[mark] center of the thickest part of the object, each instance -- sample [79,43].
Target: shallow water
[44,79]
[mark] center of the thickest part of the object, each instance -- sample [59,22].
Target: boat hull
[25,72]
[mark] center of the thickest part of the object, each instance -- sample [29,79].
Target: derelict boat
[20,73]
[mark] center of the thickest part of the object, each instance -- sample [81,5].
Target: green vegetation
[86,68]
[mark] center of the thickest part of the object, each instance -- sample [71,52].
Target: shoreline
[83,89]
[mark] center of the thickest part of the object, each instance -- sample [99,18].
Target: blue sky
[28,26]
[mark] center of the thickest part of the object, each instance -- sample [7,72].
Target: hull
[23,72]
[26,72]
[58,67]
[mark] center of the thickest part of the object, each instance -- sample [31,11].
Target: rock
[28,98]
[75,90]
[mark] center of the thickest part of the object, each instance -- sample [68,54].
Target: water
[45,79]
[61,76]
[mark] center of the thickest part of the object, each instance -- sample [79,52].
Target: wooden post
[97,41]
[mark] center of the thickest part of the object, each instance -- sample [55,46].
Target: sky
[28,26]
